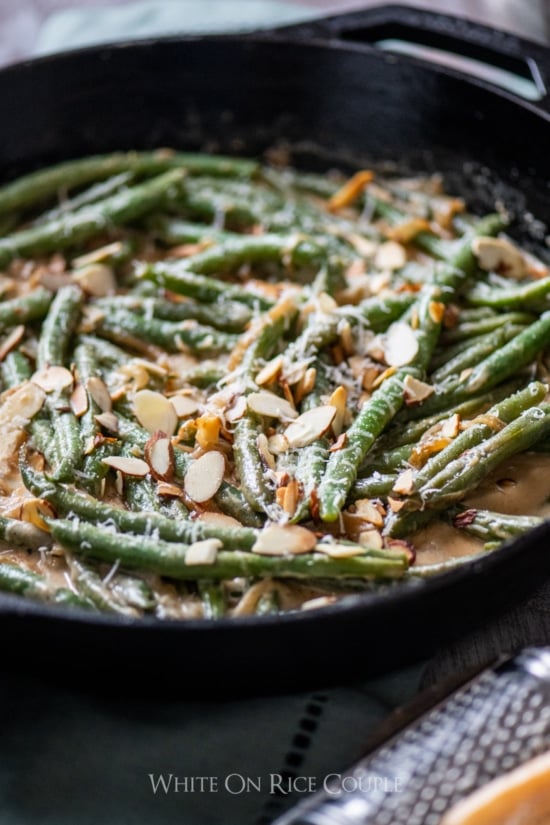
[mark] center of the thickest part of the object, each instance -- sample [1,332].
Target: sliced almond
[319,601]
[499,255]
[369,512]
[306,384]
[371,539]
[339,551]
[100,394]
[310,426]
[236,410]
[406,231]
[278,444]
[96,279]
[203,552]
[108,420]
[97,255]
[155,412]
[164,488]
[415,390]
[290,499]
[263,449]
[204,476]
[79,400]
[396,504]
[338,399]
[451,427]
[270,372]
[36,510]
[380,380]
[159,454]
[53,379]
[400,345]
[437,311]
[268,404]
[208,431]
[351,190]
[127,465]
[218,519]
[184,405]
[11,341]
[404,483]
[283,540]
[390,255]
[339,444]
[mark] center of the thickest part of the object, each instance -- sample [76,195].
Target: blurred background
[30,26]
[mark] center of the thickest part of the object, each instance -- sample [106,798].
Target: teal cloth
[75,757]
[71,28]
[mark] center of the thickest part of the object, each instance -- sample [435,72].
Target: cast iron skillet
[325,88]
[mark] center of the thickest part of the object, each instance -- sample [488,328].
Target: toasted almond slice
[119,483]
[326,303]
[155,369]
[437,311]
[96,279]
[278,444]
[390,255]
[339,551]
[164,488]
[451,427]
[53,379]
[99,392]
[108,420]
[270,372]
[364,246]
[36,510]
[218,519]
[155,412]
[79,400]
[290,499]
[380,379]
[351,190]
[208,431]
[407,230]
[404,483]
[127,465]
[371,539]
[339,444]
[203,552]
[11,341]
[97,255]
[338,400]
[264,452]
[396,504]
[319,601]
[236,410]
[269,404]
[310,426]
[369,512]
[159,454]
[204,476]
[415,390]
[184,405]
[400,345]
[282,540]
[499,255]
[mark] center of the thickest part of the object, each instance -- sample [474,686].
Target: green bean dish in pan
[233,389]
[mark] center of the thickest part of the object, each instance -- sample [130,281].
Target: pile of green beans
[334,353]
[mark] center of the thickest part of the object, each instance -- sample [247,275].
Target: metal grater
[494,723]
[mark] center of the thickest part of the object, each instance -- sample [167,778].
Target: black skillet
[328,91]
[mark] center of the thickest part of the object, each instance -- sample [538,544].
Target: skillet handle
[500,60]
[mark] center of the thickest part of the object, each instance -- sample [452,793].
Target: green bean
[59,326]
[524,296]
[126,327]
[38,186]
[66,231]
[170,559]
[213,599]
[489,526]
[23,534]
[473,328]
[31,307]
[95,193]
[480,349]
[225,315]
[15,369]
[23,582]
[90,585]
